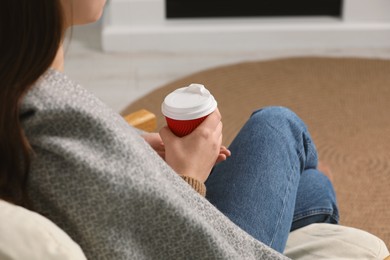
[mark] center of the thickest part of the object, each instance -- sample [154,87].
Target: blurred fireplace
[251,8]
[245,25]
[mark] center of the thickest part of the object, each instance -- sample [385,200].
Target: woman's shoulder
[59,106]
[56,95]
[55,88]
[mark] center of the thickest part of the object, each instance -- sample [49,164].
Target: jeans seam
[310,152]
[280,134]
[313,212]
[283,210]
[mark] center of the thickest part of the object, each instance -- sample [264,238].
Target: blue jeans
[270,185]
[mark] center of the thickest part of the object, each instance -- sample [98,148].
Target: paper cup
[186,108]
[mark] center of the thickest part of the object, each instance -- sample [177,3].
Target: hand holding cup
[191,114]
[195,154]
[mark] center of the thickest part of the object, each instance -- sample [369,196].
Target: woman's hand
[195,155]
[155,141]
[224,153]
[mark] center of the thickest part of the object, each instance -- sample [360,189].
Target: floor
[120,78]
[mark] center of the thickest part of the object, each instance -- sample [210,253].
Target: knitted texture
[96,178]
[196,185]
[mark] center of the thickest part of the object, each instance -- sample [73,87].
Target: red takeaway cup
[186,108]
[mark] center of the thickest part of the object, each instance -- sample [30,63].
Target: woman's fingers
[225,151]
[166,135]
[223,154]
[155,141]
[212,120]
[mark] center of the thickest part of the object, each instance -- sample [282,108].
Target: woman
[67,156]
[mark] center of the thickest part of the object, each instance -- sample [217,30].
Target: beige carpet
[346,104]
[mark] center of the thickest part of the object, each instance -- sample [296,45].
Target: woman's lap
[259,186]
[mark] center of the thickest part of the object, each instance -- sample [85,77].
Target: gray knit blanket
[96,178]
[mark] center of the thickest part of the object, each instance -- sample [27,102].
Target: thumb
[166,134]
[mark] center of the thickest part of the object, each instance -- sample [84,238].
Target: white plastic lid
[187,103]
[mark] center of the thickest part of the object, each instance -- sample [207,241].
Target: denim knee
[289,126]
[274,114]
[281,119]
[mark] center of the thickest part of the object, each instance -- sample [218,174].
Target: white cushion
[327,241]
[28,235]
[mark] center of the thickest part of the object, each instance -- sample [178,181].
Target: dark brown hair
[31,31]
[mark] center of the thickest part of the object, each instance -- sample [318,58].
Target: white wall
[140,25]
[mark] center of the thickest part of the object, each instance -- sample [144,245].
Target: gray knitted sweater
[95,177]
